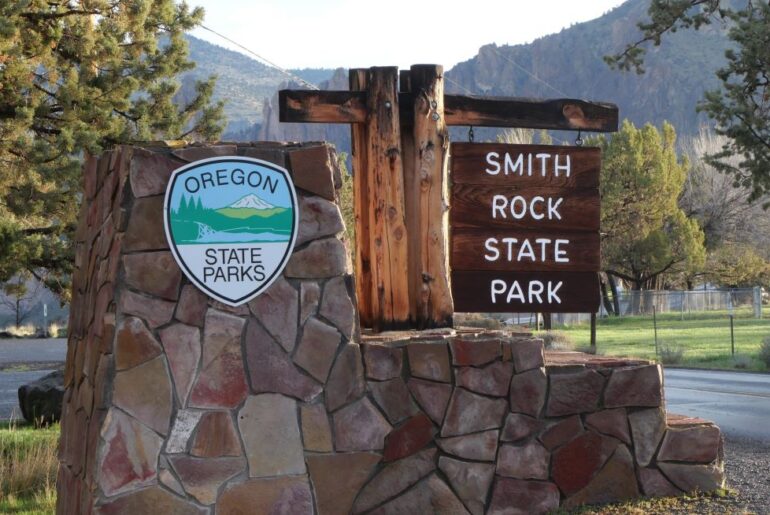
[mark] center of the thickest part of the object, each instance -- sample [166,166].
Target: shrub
[557,340]
[20,331]
[742,361]
[477,320]
[764,352]
[670,354]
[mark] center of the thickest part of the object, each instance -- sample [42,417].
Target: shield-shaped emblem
[231,223]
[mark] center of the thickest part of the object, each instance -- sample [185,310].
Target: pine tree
[78,77]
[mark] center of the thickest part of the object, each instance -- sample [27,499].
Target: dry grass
[20,331]
[28,467]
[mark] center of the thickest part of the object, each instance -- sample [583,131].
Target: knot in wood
[426,277]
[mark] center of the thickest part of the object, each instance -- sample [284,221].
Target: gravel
[747,464]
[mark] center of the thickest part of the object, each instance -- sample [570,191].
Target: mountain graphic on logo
[251,201]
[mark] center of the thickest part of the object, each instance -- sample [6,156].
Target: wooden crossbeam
[553,114]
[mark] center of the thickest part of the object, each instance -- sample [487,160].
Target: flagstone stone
[561,432]
[316,431]
[476,447]
[616,482]
[317,348]
[360,427]
[145,393]
[337,478]
[430,361]
[134,344]
[528,392]
[337,307]
[635,386]
[612,422]
[143,231]
[317,218]
[185,423]
[201,478]
[576,463]
[521,497]
[393,399]
[432,397]
[574,392]
[528,461]
[277,309]
[192,305]
[156,273]
[494,379]
[312,170]
[196,153]
[474,352]
[310,296]
[469,413]
[319,260]
[527,354]
[382,362]
[149,500]
[150,172]
[431,495]
[689,478]
[182,344]
[655,484]
[471,481]
[697,444]
[647,428]
[410,437]
[282,495]
[518,426]
[346,380]
[155,312]
[216,436]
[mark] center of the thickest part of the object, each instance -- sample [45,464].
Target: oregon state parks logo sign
[231,223]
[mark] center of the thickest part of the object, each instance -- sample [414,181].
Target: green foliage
[670,353]
[645,233]
[764,352]
[737,265]
[76,78]
[28,468]
[741,105]
[347,203]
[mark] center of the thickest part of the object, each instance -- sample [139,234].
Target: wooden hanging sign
[525,228]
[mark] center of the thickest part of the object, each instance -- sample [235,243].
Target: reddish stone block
[155,273]
[528,392]
[529,461]
[518,427]
[432,397]
[691,478]
[647,428]
[394,478]
[494,379]
[527,354]
[277,495]
[318,218]
[698,444]
[431,495]
[635,386]
[612,422]
[616,482]
[337,306]
[561,432]
[145,393]
[313,171]
[574,392]
[476,447]
[216,436]
[317,348]
[135,344]
[310,296]
[577,462]
[148,500]
[360,427]
[393,399]
[382,362]
[655,484]
[271,370]
[469,413]
[413,435]
[145,227]
[520,496]
[201,478]
[337,478]
[474,352]
[471,481]
[197,153]
[182,344]
[155,312]
[221,382]
[346,380]
[316,432]
[430,361]
[319,260]
[277,310]
[191,308]
[150,172]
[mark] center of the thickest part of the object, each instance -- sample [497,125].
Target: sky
[364,33]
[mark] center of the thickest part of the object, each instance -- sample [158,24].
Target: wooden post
[388,237]
[430,190]
[593,333]
[364,288]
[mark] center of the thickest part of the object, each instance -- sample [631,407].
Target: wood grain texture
[472,206]
[469,251]
[469,162]
[578,292]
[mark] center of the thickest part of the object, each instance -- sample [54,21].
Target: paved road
[739,403]
[30,350]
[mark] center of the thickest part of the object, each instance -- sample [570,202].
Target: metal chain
[470,133]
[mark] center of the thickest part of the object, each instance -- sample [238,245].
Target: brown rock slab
[201,478]
[150,172]
[191,308]
[337,308]
[134,344]
[432,397]
[216,436]
[561,432]
[221,382]
[576,463]
[471,481]
[689,478]
[494,379]
[647,428]
[283,495]
[346,380]
[182,344]
[145,393]
[155,312]
[337,478]
[312,170]
[271,370]
[431,495]
[317,348]
[316,432]
[155,273]
[520,497]
[475,447]
[145,227]
[270,430]
[527,353]
[616,482]
[655,484]
[395,478]
[310,296]
[129,456]
[528,392]
[474,352]
[518,427]
[196,153]
[410,437]
[383,362]
[574,392]
[360,427]
[184,424]
[319,260]
[318,218]
[528,461]
[470,413]
[149,500]
[430,361]
[698,444]
[393,398]
[166,478]
[277,309]
[635,386]
[612,422]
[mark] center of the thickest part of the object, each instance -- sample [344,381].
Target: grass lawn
[28,465]
[703,338]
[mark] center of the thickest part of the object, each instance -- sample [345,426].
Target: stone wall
[178,404]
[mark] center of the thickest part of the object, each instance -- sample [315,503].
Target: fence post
[757,302]
[732,335]
[655,328]
[593,333]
